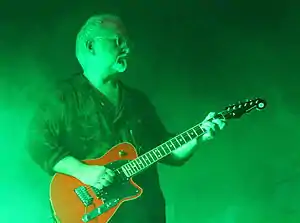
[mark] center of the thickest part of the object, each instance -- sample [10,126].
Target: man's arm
[69,165]
[181,155]
[185,152]
[48,148]
[177,157]
[46,134]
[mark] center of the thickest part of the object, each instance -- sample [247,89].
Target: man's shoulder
[68,83]
[57,93]
[66,88]
[57,98]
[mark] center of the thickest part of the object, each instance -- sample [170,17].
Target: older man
[93,111]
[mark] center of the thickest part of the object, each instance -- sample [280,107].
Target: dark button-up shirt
[79,121]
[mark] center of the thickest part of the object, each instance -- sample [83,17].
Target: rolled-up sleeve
[46,134]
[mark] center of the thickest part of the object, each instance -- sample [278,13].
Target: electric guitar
[74,202]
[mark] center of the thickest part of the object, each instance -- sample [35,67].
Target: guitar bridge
[84,195]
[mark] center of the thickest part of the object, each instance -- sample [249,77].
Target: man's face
[110,54]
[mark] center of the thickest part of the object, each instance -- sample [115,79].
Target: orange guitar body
[69,208]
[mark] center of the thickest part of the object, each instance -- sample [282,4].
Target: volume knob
[122,153]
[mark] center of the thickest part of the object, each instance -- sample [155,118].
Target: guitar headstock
[241,108]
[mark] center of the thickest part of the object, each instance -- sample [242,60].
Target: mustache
[122,56]
[120,64]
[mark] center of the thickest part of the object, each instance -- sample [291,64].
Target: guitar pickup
[84,196]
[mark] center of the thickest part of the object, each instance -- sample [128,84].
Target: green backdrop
[191,58]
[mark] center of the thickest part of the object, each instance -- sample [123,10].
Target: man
[94,111]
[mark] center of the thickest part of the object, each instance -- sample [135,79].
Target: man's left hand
[211,125]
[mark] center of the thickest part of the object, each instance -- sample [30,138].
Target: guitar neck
[153,156]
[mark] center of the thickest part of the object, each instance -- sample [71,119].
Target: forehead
[110,27]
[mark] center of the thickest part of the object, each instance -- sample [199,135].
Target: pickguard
[120,189]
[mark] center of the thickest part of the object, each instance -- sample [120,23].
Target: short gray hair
[93,28]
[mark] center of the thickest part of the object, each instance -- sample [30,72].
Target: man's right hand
[96,176]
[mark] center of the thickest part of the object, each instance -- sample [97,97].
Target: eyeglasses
[121,42]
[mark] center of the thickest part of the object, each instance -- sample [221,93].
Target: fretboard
[147,159]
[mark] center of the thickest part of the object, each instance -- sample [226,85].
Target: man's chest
[96,129]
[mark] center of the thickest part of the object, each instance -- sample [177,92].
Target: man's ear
[90,46]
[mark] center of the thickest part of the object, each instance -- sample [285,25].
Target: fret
[169,146]
[170,142]
[128,169]
[157,153]
[145,158]
[142,160]
[132,165]
[166,148]
[140,163]
[199,130]
[135,164]
[186,136]
[162,151]
[151,157]
[191,133]
[180,139]
[175,143]
[127,174]
[194,131]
